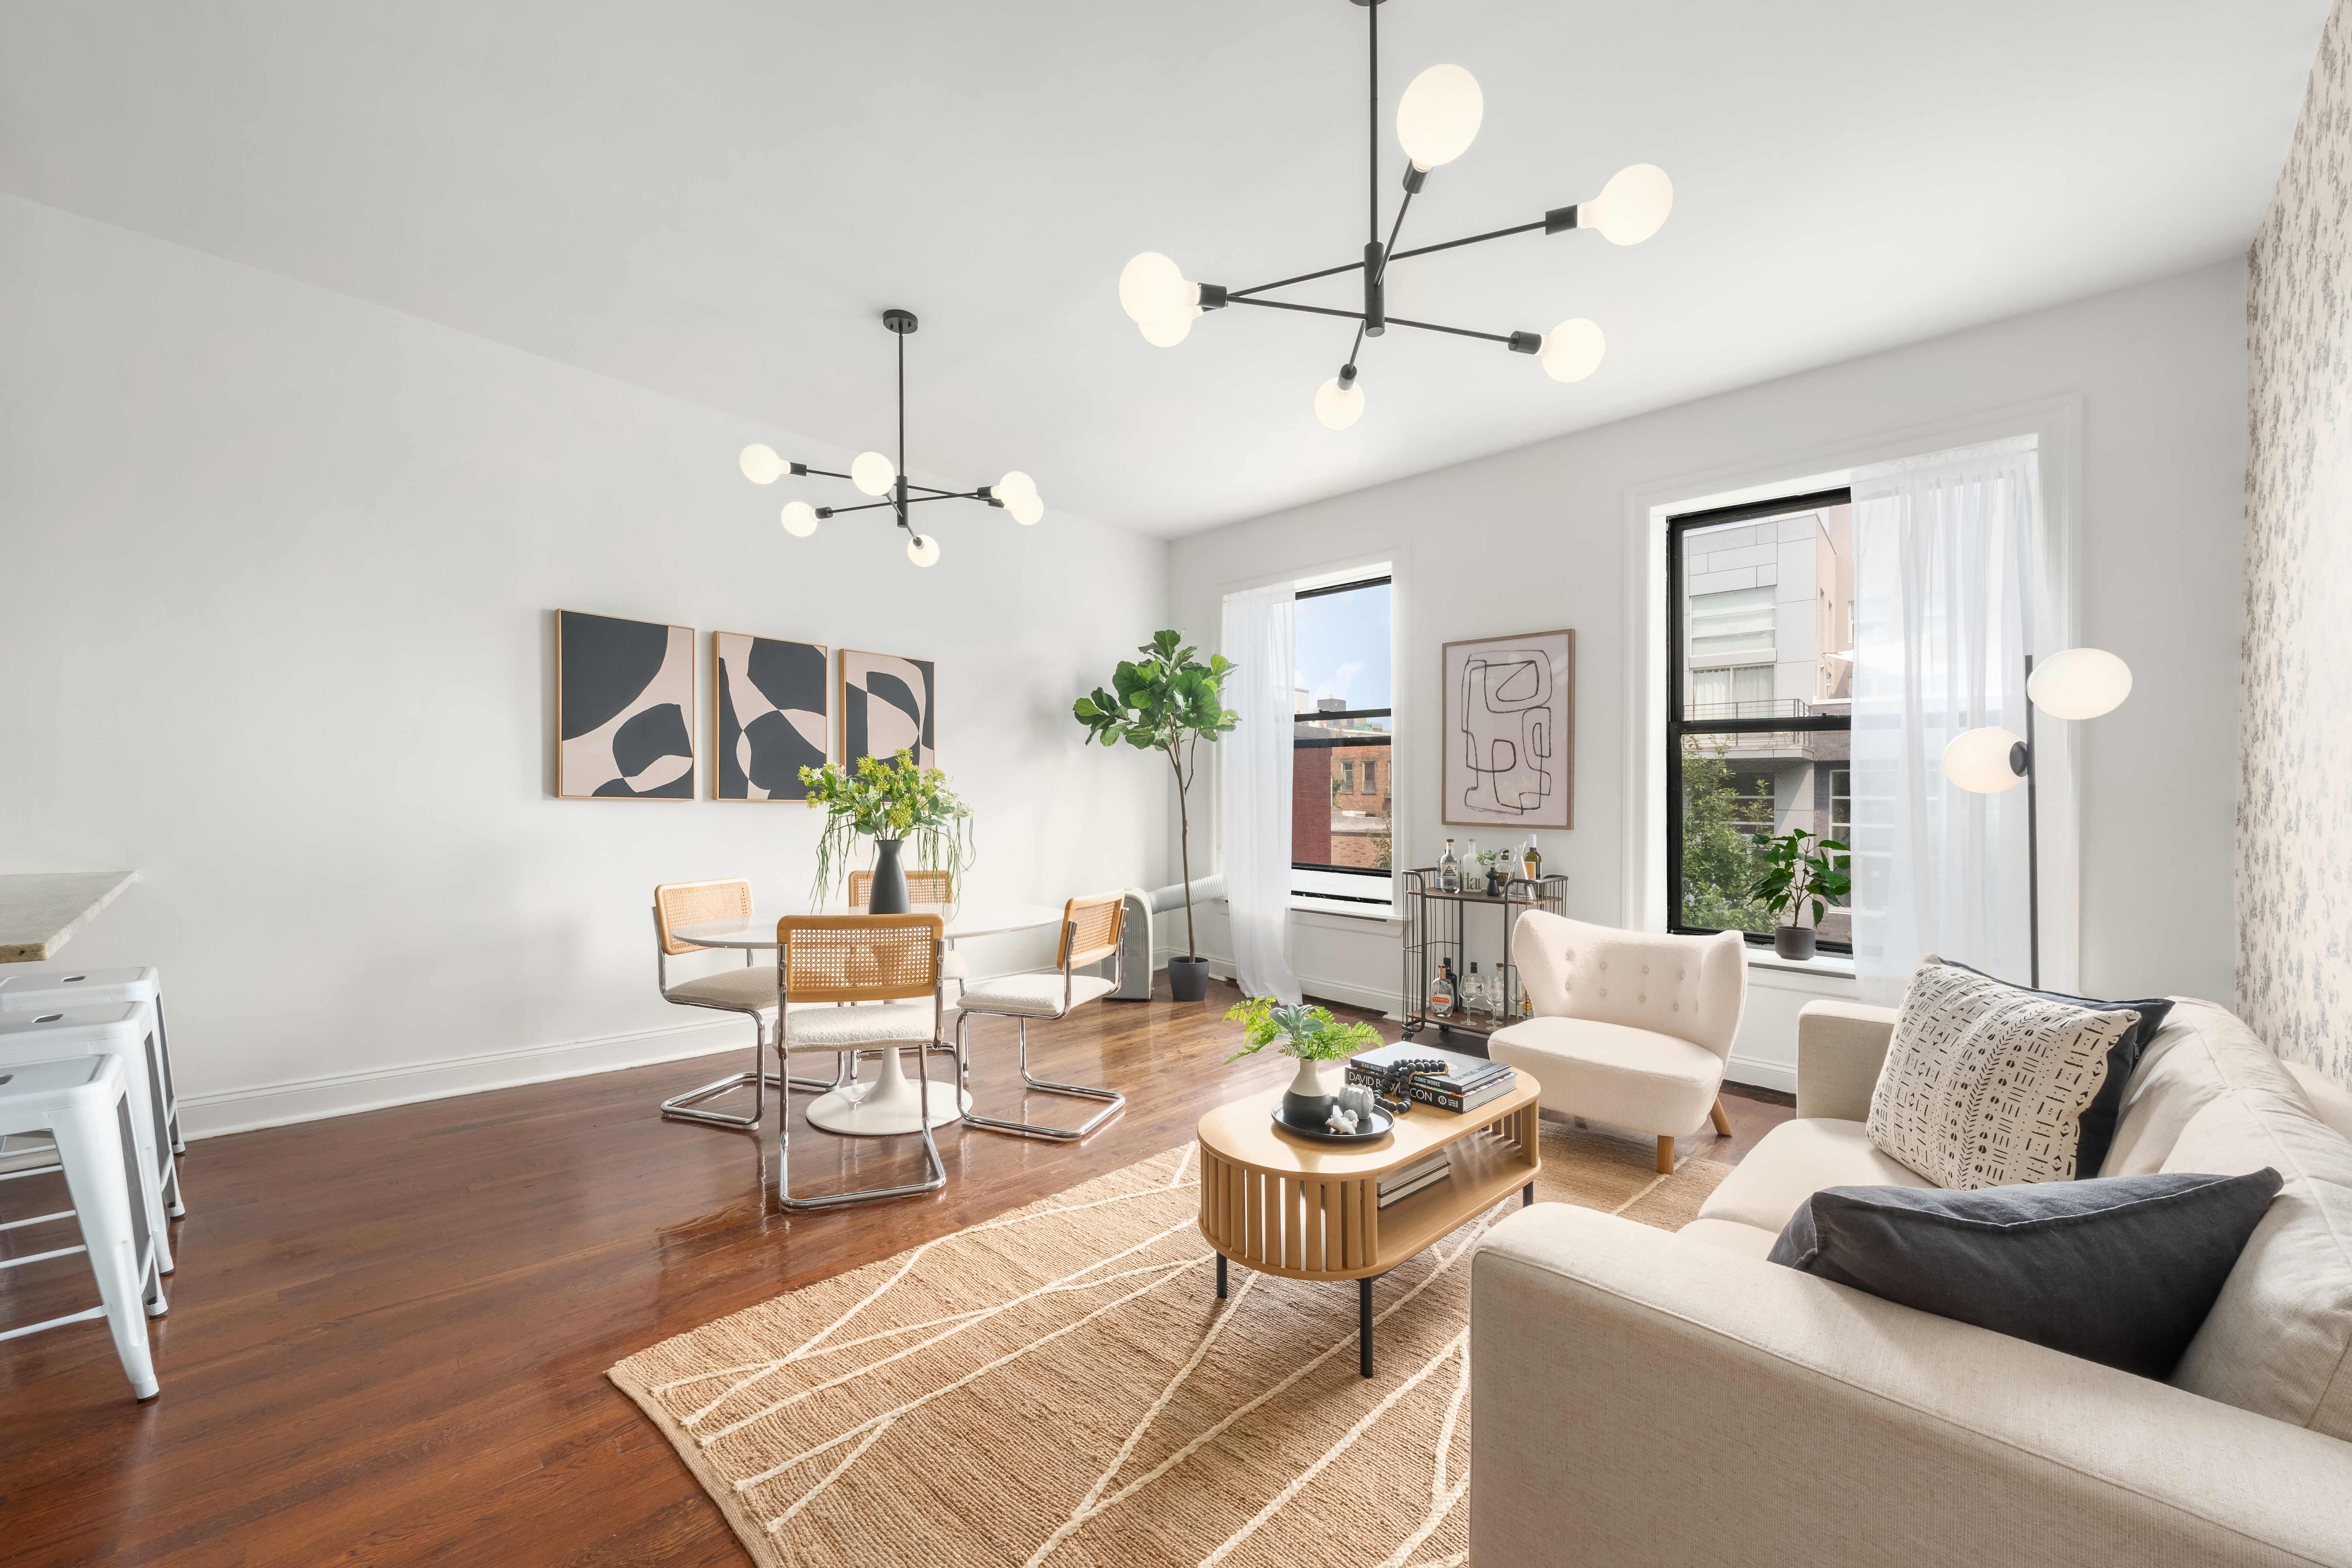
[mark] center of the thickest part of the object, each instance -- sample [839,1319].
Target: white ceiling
[716,200]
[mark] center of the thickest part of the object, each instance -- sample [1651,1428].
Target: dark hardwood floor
[389,1332]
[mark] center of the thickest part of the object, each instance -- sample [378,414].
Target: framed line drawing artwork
[768,716]
[889,704]
[622,693]
[1510,732]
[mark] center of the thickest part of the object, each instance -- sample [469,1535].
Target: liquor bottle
[1441,995]
[1449,871]
[1474,877]
[1534,860]
[1474,991]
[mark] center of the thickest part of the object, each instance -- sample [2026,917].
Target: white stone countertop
[40,910]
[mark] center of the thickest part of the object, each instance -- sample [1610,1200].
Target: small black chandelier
[876,475]
[1436,119]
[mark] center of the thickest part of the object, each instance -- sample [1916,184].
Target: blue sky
[1343,646]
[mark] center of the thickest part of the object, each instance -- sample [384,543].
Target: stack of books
[1467,1082]
[1427,1171]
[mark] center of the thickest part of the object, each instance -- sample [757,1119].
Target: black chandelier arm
[1545,224]
[1286,305]
[837,510]
[1457,332]
[1234,294]
[1389,254]
[1473,239]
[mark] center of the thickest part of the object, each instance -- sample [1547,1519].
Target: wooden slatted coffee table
[1289,1206]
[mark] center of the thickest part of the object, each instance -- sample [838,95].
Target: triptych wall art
[625,692]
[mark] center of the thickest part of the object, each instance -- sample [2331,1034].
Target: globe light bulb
[1336,407]
[1025,508]
[800,519]
[1979,761]
[923,551]
[2080,683]
[1150,286]
[1572,350]
[1012,486]
[1630,207]
[873,473]
[760,464]
[1167,331]
[1438,116]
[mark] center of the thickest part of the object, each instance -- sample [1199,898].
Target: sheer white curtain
[1254,783]
[1947,599]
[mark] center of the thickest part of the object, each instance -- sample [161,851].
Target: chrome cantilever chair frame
[878,991]
[686,1107]
[1069,961]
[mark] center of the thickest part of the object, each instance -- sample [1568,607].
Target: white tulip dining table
[892,1103]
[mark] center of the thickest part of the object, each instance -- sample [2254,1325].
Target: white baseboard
[1317,986]
[341,1094]
[1761,1074]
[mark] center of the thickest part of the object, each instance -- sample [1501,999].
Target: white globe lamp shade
[873,473]
[1572,350]
[800,519]
[2080,683]
[1630,207]
[1437,117]
[1165,331]
[1336,407]
[1026,510]
[1013,486]
[1977,760]
[1150,286]
[760,464]
[923,550]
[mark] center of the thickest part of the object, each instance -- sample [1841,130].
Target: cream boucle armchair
[1630,1028]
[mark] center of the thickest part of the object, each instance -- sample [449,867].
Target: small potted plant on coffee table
[1314,1037]
[1801,869]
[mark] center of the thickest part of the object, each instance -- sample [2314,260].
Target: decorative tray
[1380,1125]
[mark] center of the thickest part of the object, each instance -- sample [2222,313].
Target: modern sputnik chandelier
[876,475]
[1436,119]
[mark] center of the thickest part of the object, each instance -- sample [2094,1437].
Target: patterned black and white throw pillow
[1985,1084]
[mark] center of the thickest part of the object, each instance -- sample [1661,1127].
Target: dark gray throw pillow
[2117,1269]
[2095,1128]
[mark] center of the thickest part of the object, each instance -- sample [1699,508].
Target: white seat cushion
[823,1028]
[1032,995]
[1615,1073]
[753,990]
[1731,1236]
[1796,1160]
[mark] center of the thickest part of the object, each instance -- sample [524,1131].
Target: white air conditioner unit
[1135,942]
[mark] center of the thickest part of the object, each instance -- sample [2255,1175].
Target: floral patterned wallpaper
[2294,789]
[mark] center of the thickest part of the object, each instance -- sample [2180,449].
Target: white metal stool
[48,990]
[86,1104]
[126,1029]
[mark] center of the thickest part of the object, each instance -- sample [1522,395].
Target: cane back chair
[751,991]
[1090,932]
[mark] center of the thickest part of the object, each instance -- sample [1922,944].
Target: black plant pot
[1794,941]
[1188,978]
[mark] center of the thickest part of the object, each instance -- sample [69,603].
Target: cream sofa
[1643,1397]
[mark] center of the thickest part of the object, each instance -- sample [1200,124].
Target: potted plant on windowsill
[1168,702]
[1313,1036]
[1801,869]
[890,802]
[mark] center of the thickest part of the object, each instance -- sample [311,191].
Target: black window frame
[1328,744]
[1678,674]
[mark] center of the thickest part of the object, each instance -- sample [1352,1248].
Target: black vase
[1794,941]
[887,896]
[1307,1109]
[1188,978]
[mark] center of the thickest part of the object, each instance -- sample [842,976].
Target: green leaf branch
[1307,1032]
[892,798]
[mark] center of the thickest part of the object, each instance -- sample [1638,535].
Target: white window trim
[2057,426]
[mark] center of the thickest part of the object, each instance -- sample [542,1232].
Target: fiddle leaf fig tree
[1167,702]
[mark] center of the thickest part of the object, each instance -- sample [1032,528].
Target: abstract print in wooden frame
[887,706]
[623,693]
[768,716]
[1510,732]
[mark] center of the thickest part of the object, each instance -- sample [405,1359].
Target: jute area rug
[1061,1387]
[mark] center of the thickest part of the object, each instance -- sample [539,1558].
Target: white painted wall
[279,571]
[1539,537]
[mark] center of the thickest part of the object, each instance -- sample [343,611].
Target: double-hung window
[1343,748]
[1760,698]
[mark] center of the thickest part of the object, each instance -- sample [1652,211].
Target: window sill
[1365,914]
[1829,965]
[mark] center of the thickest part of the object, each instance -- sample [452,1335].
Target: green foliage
[1167,701]
[887,799]
[1795,875]
[1310,1033]
[1720,863]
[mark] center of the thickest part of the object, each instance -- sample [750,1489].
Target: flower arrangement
[892,798]
[1310,1033]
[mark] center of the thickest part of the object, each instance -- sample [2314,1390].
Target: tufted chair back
[1692,987]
